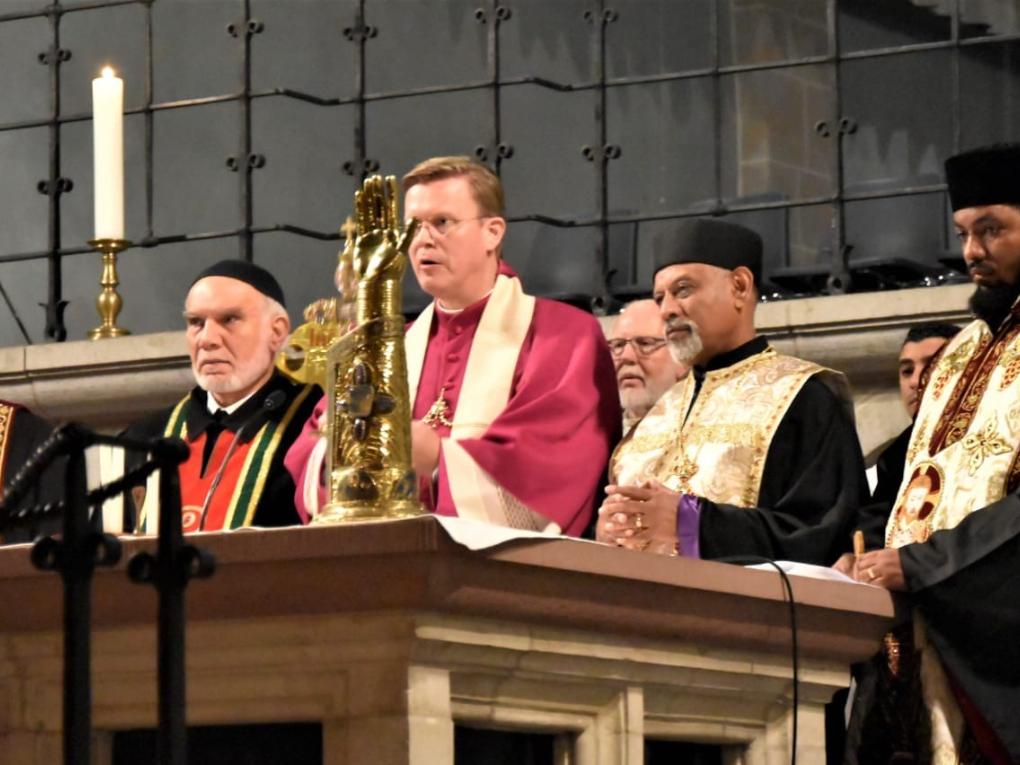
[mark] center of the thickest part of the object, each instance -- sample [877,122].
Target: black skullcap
[246,272]
[989,175]
[710,241]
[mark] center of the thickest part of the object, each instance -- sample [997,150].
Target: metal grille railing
[493,148]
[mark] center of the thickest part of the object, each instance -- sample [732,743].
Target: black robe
[28,432]
[812,484]
[965,582]
[873,517]
[890,466]
[275,506]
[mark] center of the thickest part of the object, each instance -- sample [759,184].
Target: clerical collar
[213,406]
[463,318]
[454,311]
[738,354]
[199,416]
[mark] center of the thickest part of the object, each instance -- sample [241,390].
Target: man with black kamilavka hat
[946,688]
[755,453]
[243,414]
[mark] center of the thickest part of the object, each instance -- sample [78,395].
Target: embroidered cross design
[685,471]
[982,445]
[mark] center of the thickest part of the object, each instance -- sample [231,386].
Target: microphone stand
[75,556]
[82,547]
[169,571]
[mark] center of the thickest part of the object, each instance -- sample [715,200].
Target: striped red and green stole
[240,488]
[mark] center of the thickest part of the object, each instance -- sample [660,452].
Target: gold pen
[858,543]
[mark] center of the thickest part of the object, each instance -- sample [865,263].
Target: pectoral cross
[439,412]
[685,470]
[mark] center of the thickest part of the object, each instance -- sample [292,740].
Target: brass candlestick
[108,302]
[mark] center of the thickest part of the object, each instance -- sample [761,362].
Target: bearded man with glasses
[644,367]
[752,454]
[515,409]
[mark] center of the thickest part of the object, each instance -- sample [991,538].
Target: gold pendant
[439,413]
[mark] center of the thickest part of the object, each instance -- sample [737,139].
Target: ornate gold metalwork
[893,651]
[345,279]
[685,471]
[304,356]
[109,302]
[369,413]
[439,413]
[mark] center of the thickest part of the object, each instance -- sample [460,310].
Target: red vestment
[549,446]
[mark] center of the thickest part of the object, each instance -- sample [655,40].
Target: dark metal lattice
[492,148]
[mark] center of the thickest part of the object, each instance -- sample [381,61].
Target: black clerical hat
[989,175]
[246,272]
[710,241]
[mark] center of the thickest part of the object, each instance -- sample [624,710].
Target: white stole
[484,394]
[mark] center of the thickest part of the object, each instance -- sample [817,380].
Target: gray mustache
[673,324]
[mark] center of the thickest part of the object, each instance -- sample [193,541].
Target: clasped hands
[639,518]
[645,518]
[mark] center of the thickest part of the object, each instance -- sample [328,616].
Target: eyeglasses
[441,226]
[643,346]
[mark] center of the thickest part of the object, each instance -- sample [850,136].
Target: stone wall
[110,383]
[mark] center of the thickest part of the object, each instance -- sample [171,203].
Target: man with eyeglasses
[515,408]
[753,454]
[644,367]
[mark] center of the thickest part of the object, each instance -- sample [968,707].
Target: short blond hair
[485,184]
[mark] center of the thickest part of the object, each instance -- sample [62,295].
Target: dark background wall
[817,122]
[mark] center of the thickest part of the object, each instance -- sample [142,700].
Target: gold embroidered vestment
[716,447]
[964,454]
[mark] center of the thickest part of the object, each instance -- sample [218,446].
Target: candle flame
[107,72]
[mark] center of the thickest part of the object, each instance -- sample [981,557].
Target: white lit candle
[108,154]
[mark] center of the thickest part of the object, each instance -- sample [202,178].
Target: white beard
[637,402]
[685,349]
[243,377]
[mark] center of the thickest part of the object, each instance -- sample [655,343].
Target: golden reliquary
[355,346]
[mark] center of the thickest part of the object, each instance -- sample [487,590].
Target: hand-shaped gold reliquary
[365,370]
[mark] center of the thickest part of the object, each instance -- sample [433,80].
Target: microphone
[270,404]
[273,401]
[170,451]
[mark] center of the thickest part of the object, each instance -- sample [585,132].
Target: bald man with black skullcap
[243,414]
[755,452]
